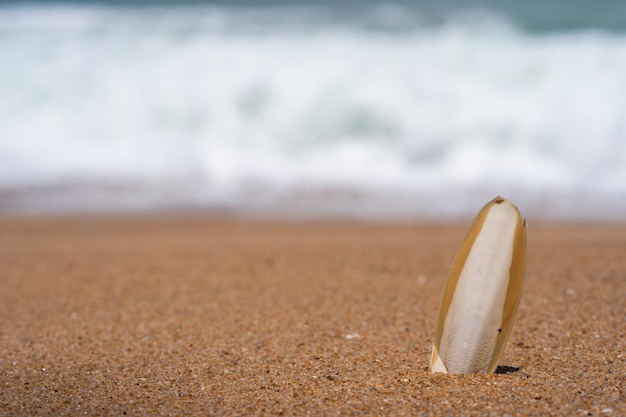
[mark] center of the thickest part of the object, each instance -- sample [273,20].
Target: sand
[173,316]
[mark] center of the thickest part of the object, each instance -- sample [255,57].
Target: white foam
[222,109]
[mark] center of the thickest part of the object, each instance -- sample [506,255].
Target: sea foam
[108,108]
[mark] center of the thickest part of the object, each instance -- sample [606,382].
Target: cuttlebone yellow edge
[475,322]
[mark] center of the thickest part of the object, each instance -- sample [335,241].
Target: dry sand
[169,316]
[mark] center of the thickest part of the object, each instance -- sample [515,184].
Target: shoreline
[201,315]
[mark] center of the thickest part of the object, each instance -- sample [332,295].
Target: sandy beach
[196,316]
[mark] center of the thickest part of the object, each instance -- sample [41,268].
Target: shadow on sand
[506,369]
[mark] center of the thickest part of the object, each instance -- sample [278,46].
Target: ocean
[314,109]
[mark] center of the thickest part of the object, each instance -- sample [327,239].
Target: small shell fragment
[482,293]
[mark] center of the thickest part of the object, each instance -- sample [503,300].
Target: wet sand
[171,316]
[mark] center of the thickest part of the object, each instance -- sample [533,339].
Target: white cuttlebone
[482,293]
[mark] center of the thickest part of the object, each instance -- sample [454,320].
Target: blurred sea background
[308,109]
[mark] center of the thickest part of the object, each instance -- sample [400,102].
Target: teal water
[319,109]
